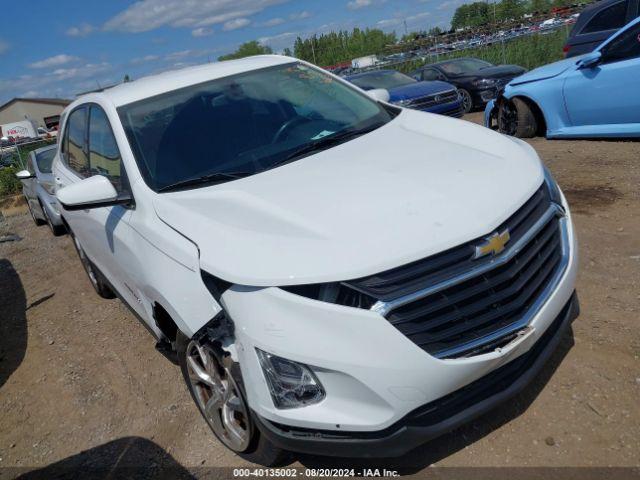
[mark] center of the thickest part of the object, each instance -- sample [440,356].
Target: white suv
[335,274]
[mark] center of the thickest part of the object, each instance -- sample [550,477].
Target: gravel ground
[81,385]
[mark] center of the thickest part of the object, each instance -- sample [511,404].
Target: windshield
[386,80]
[243,125]
[467,66]
[45,159]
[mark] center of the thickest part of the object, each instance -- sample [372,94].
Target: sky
[62,48]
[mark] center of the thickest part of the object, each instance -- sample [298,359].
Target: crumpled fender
[489,113]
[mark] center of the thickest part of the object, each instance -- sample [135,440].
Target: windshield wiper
[211,178]
[324,143]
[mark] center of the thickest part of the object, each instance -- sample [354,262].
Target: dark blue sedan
[404,91]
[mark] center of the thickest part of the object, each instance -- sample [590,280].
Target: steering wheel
[286,126]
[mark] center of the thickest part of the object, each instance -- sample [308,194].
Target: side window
[610,18]
[626,46]
[104,156]
[76,142]
[430,74]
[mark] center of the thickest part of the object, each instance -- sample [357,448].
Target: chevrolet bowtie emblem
[493,244]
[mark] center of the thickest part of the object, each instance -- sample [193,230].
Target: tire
[57,230]
[516,118]
[36,220]
[95,277]
[254,447]
[467,100]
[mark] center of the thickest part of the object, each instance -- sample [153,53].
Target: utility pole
[406,30]
[313,50]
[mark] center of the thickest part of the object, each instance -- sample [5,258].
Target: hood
[501,71]
[419,89]
[419,185]
[546,71]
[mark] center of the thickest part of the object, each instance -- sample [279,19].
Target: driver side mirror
[590,60]
[379,94]
[92,192]
[24,175]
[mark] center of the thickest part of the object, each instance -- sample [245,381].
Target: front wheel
[516,118]
[218,392]
[467,100]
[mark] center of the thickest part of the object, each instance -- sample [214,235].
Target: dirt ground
[81,385]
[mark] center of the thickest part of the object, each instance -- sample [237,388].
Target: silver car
[38,188]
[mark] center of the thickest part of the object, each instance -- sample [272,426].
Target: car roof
[153,85]
[371,72]
[453,60]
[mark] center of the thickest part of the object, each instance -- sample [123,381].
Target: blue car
[595,95]
[404,91]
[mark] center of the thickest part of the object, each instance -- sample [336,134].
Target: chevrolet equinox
[334,275]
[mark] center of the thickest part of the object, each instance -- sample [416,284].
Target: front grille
[480,309]
[433,100]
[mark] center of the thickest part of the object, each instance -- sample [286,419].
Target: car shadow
[452,442]
[13,321]
[127,457]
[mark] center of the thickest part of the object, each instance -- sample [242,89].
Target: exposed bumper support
[434,418]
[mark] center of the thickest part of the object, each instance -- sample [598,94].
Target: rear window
[611,18]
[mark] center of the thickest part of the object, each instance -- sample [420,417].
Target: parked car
[404,91]
[593,95]
[597,22]
[335,275]
[477,81]
[38,188]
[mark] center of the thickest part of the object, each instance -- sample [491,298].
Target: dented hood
[418,185]
[546,71]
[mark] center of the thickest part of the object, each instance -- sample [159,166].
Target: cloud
[145,59]
[81,30]
[54,61]
[4,46]
[201,32]
[278,42]
[299,15]
[86,71]
[145,15]
[235,24]
[356,4]
[273,22]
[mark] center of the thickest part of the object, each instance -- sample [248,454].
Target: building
[44,112]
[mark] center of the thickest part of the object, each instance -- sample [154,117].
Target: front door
[607,94]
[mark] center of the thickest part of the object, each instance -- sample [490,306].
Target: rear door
[607,94]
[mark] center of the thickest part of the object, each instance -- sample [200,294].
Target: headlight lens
[291,384]
[552,187]
[403,103]
[485,83]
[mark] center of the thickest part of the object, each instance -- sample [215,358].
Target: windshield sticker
[322,134]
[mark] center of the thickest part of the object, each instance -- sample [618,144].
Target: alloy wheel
[218,397]
[467,104]
[507,118]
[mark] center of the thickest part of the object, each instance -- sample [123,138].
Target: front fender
[490,113]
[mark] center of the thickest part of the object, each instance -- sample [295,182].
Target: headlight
[403,103]
[50,188]
[552,187]
[290,383]
[485,83]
